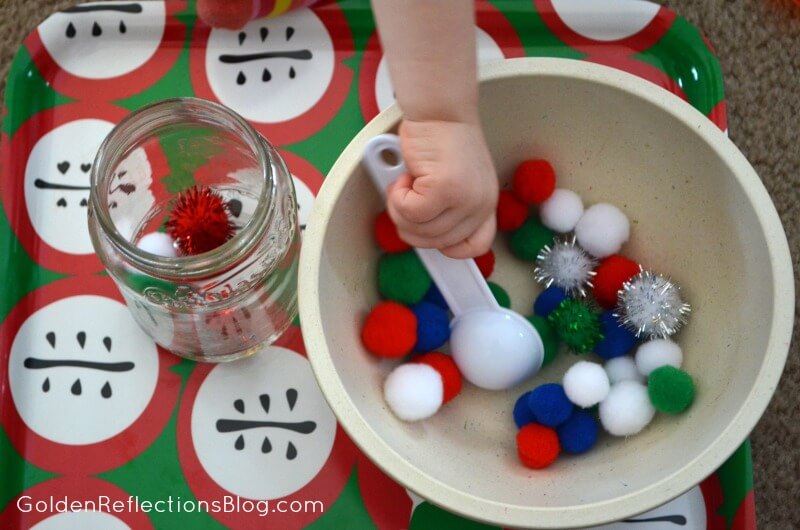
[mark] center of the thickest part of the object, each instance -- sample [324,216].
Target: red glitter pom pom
[451,375]
[511,212]
[390,330]
[199,221]
[537,446]
[231,14]
[485,263]
[386,235]
[611,274]
[534,181]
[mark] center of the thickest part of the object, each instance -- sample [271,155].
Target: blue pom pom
[548,300]
[579,433]
[523,414]
[617,339]
[433,327]
[434,296]
[550,405]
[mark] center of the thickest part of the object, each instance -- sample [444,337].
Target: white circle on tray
[687,511]
[305,201]
[81,370]
[273,69]
[83,520]
[608,20]
[104,40]
[130,197]
[488,51]
[260,426]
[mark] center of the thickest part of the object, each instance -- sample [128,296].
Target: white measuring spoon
[495,348]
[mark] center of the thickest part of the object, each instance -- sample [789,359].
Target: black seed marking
[236,325]
[235,207]
[63,167]
[122,27]
[81,338]
[51,338]
[239,406]
[127,189]
[264,399]
[239,445]
[33,363]
[263,32]
[677,520]
[122,8]
[289,33]
[113,205]
[302,55]
[241,79]
[291,398]
[96,31]
[70,30]
[246,313]
[84,202]
[302,427]
[106,390]
[76,388]
[266,446]
[122,173]
[291,451]
[62,202]
[225,331]
[46,385]
[107,341]
[266,76]
[44,185]
[86,167]
[292,73]
[242,36]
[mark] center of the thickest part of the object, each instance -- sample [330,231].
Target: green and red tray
[75,430]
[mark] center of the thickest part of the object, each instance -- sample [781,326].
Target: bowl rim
[465,504]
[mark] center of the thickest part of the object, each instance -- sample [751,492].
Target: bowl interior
[691,218]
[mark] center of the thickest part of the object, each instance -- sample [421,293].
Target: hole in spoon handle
[378,153]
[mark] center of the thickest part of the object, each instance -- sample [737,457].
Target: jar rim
[156,115]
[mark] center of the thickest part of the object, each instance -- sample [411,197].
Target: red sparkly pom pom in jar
[511,212]
[534,181]
[390,330]
[537,446]
[485,263]
[386,235]
[611,274]
[199,221]
[452,380]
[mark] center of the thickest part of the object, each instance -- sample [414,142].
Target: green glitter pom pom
[549,337]
[402,278]
[500,294]
[671,389]
[528,240]
[577,325]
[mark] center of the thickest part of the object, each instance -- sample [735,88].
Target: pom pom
[650,305]
[586,384]
[511,212]
[485,263]
[657,353]
[617,339]
[565,265]
[390,330]
[403,278]
[611,274]
[434,296]
[550,404]
[523,415]
[534,181]
[414,391]
[627,409]
[500,295]
[537,446]
[530,239]
[452,380]
[158,243]
[199,221]
[622,369]
[671,390]
[579,434]
[577,325]
[562,211]
[386,235]
[602,230]
[433,327]
[230,14]
[549,338]
[548,300]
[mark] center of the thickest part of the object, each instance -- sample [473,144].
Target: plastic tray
[147,437]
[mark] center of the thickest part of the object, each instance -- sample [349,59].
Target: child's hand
[448,199]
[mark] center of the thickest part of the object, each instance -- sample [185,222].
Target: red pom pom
[451,375]
[611,274]
[386,235]
[230,14]
[485,263]
[390,330]
[537,446]
[534,181]
[199,221]
[511,212]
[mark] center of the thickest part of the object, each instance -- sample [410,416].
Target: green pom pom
[403,278]
[671,389]
[549,337]
[529,239]
[500,295]
[577,325]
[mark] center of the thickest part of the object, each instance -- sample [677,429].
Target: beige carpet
[758,42]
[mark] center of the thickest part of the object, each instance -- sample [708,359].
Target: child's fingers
[411,205]
[476,244]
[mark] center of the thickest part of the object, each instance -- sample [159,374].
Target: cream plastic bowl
[698,212]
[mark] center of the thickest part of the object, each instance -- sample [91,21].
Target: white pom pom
[627,409]
[602,230]
[656,353]
[414,391]
[158,243]
[586,384]
[622,369]
[561,211]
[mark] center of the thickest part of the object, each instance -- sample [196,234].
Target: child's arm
[449,198]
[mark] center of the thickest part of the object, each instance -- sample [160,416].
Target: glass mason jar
[222,304]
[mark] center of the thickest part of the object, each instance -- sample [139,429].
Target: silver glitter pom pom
[565,265]
[650,306]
